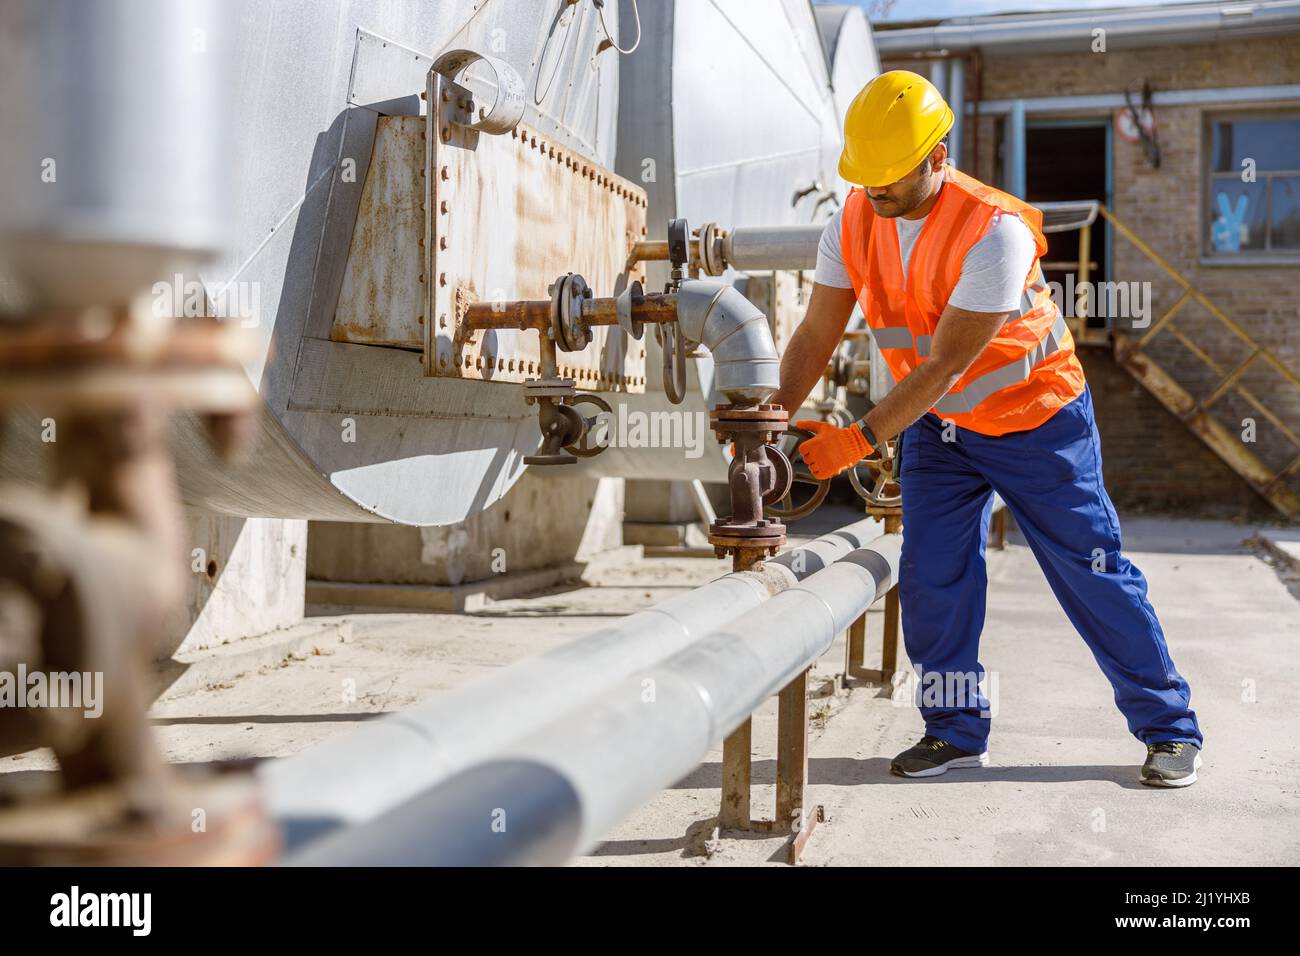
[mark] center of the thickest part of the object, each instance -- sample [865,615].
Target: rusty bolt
[442,242]
[445,173]
[442,278]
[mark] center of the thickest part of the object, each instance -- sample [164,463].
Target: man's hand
[831,449]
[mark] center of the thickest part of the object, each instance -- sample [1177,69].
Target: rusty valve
[759,475]
[91,571]
[784,507]
[565,322]
[566,432]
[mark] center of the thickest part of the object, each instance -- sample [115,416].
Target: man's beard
[905,204]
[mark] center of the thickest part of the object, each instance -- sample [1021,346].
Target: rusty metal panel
[511,213]
[519,211]
[382,298]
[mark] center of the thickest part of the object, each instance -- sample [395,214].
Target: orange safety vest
[1026,373]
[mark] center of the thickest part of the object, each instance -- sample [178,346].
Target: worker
[988,396]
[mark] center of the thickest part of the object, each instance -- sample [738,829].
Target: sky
[884,11]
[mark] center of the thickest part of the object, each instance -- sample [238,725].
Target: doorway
[1069,160]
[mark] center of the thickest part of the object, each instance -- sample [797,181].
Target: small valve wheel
[590,444]
[783,506]
[885,491]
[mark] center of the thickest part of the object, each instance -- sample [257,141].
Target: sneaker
[933,756]
[1171,763]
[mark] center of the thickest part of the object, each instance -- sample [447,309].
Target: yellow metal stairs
[1131,352]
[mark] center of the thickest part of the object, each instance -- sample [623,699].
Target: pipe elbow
[716,314]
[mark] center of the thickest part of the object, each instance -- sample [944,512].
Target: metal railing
[1130,352]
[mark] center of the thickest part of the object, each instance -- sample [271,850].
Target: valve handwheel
[885,491]
[583,448]
[783,507]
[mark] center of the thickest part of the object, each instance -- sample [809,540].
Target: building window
[1253,190]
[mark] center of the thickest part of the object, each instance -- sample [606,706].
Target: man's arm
[959,338]
[812,344]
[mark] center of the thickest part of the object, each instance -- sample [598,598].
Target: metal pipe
[957,100]
[746,366]
[555,792]
[355,778]
[132,188]
[656,250]
[1074,31]
[536,313]
[543,824]
[939,76]
[758,248]
[1013,168]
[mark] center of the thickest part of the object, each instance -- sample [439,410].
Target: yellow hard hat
[891,125]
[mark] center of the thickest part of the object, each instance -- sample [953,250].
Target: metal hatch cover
[507,214]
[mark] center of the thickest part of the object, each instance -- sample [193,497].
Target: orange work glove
[831,449]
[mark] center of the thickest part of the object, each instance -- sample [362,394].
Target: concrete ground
[1062,787]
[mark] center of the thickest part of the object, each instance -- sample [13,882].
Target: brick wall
[1152,461]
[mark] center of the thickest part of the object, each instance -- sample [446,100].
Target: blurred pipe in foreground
[114,145]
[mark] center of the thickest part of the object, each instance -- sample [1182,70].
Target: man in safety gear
[988,396]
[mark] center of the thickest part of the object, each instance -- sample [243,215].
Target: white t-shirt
[992,274]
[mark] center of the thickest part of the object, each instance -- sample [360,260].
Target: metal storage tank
[306,95]
[350,431]
[851,50]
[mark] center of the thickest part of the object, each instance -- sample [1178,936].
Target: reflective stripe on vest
[892,337]
[976,390]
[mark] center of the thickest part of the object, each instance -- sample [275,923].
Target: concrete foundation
[247,577]
[541,522]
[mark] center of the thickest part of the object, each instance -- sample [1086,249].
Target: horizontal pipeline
[557,791]
[356,777]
